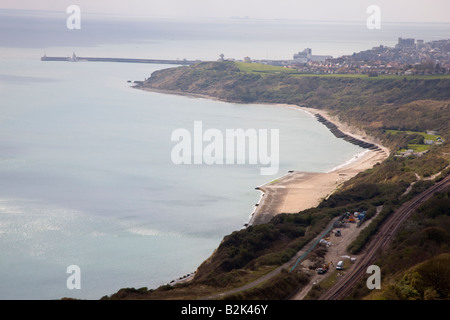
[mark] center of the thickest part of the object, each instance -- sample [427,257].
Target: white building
[306,55]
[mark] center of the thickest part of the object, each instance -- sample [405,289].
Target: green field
[424,134]
[415,146]
[262,68]
[259,68]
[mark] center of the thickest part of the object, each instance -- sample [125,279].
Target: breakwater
[126,60]
[339,134]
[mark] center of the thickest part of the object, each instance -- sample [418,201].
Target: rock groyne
[339,134]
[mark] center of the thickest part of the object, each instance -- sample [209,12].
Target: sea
[86,173]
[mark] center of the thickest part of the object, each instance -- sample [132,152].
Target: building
[303,57]
[406,43]
[306,56]
[419,44]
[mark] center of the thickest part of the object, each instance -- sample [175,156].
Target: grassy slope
[373,104]
[261,83]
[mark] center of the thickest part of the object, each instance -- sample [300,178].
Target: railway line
[380,242]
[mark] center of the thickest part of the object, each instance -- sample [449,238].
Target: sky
[329,10]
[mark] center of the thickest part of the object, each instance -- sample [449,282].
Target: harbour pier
[75,58]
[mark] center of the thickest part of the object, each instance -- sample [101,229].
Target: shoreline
[297,191]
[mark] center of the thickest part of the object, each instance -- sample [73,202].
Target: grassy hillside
[416,103]
[373,104]
[261,83]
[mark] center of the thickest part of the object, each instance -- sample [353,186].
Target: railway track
[381,241]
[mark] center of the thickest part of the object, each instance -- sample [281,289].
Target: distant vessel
[74,57]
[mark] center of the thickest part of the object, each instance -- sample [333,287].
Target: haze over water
[86,176]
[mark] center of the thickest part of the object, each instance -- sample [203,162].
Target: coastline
[297,191]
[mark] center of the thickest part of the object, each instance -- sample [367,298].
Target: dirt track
[334,254]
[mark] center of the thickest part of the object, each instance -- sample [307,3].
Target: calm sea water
[86,176]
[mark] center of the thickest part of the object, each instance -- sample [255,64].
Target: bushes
[274,258]
[434,275]
[278,288]
[358,193]
[241,247]
[429,280]
[438,205]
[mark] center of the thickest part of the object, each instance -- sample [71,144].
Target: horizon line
[184,18]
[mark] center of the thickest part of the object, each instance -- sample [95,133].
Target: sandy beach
[297,191]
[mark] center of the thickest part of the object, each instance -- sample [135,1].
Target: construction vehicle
[323,269]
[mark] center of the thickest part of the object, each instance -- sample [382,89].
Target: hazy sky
[335,10]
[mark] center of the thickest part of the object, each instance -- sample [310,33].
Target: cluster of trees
[256,246]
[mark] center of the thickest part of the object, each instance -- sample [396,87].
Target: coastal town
[408,57]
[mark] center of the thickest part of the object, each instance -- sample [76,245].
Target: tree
[435,275]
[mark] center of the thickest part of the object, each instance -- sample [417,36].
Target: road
[380,242]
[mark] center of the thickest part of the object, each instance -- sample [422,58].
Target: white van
[340,265]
